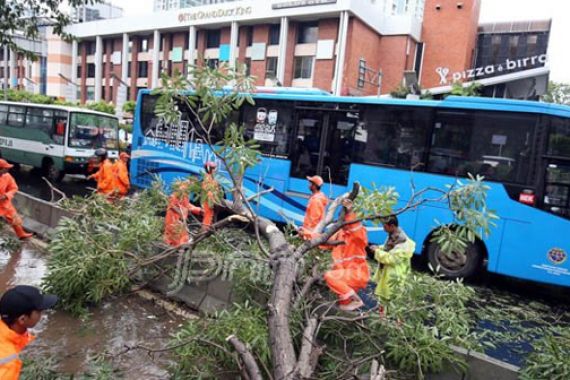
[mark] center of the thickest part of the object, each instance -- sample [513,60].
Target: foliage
[376,201]
[45,368]
[92,254]
[558,93]
[204,352]
[401,92]
[27,17]
[129,106]
[101,106]
[9,243]
[126,127]
[473,89]
[549,361]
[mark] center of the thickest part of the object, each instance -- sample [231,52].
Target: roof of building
[528,26]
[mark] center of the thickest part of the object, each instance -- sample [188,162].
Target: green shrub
[550,359]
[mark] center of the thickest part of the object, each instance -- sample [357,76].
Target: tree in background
[129,106]
[558,93]
[474,89]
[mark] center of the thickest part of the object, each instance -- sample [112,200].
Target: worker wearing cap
[315,208]
[210,193]
[179,208]
[122,181]
[350,271]
[21,309]
[8,189]
[105,176]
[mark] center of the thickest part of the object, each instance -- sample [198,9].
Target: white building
[167,5]
[94,12]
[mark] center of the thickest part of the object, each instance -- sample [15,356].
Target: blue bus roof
[490,104]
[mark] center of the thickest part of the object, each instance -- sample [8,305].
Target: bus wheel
[456,264]
[51,172]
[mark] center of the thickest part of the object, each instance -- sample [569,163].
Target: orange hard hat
[317,180]
[5,164]
[210,165]
[124,155]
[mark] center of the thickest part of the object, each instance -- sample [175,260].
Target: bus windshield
[93,131]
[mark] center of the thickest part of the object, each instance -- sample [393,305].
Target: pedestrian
[210,194]
[177,212]
[394,258]
[8,189]
[123,183]
[350,271]
[315,208]
[21,309]
[105,175]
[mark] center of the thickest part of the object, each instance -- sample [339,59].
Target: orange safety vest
[175,232]
[212,188]
[11,344]
[315,213]
[105,178]
[122,183]
[8,188]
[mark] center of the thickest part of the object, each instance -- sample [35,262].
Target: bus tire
[51,172]
[456,265]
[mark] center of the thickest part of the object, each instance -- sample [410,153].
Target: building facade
[95,12]
[167,5]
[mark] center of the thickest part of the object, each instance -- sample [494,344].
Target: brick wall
[324,68]
[135,65]
[258,68]
[179,41]
[290,54]
[393,61]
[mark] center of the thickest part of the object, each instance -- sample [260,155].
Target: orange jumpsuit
[105,178]
[314,214]
[350,271]
[211,188]
[122,182]
[179,207]
[11,343]
[9,188]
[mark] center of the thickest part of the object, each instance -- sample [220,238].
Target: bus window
[59,127]
[16,116]
[557,189]
[92,131]
[393,136]
[3,114]
[39,123]
[306,147]
[497,146]
[339,147]
[559,137]
[270,124]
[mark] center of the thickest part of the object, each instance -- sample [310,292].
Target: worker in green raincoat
[394,258]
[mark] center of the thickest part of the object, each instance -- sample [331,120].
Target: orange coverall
[179,207]
[105,178]
[314,214]
[9,188]
[211,187]
[11,343]
[123,183]
[350,271]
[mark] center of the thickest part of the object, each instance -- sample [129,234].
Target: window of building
[78,70]
[249,35]
[303,67]
[90,47]
[419,59]
[497,146]
[392,136]
[213,39]
[496,47]
[531,43]
[143,69]
[271,67]
[129,69]
[213,63]
[247,64]
[274,34]
[90,93]
[130,47]
[308,33]
[513,46]
[90,70]
[103,92]
[143,45]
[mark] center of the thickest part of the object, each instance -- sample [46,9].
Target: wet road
[30,182]
[117,323]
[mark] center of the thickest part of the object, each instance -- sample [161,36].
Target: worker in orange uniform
[210,193]
[315,208]
[123,183]
[21,309]
[105,176]
[350,271]
[8,190]
[177,212]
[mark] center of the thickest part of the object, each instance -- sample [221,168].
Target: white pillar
[234,35]
[155,59]
[191,47]
[13,73]
[74,82]
[98,67]
[125,58]
[282,57]
[341,53]
[6,74]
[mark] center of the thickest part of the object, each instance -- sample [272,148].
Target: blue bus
[522,148]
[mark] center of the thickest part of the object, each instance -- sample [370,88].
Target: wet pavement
[121,322]
[30,182]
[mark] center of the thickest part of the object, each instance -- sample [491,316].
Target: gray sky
[492,10]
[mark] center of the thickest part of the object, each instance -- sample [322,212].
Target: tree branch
[251,366]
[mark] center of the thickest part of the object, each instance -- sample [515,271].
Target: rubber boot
[21,233]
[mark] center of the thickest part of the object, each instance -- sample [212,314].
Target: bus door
[556,198]
[322,145]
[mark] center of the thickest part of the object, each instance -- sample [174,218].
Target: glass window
[274,34]
[90,47]
[129,69]
[271,67]
[143,45]
[213,39]
[16,116]
[93,131]
[392,136]
[3,114]
[303,68]
[249,35]
[78,71]
[531,43]
[497,146]
[213,63]
[557,189]
[90,70]
[559,138]
[130,47]
[143,69]
[308,33]
[496,47]
[39,119]
[270,124]
[513,46]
